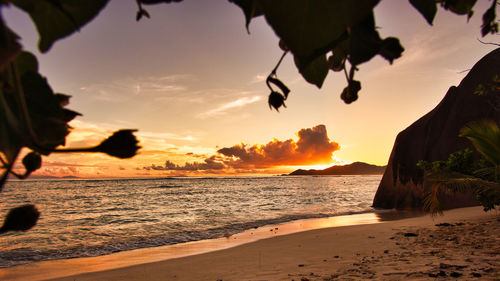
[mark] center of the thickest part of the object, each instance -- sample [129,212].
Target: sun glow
[315,167]
[335,162]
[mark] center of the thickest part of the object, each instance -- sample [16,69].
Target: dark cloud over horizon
[208,164]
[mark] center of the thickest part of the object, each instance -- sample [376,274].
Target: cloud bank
[208,164]
[312,147]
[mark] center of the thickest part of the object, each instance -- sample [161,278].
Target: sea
[93,217]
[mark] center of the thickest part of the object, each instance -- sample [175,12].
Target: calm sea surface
[95,217]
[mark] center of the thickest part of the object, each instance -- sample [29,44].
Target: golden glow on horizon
[313,167]
[312,149]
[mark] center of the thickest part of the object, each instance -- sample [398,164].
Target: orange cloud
[313,147]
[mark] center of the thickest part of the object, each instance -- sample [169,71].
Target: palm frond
[431,201]
[445,175]
[475,185]
[485,136]
[488,172]
[487,192]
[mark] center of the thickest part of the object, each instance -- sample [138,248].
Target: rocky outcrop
[434,136]
[356,168]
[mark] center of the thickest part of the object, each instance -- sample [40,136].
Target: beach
[463,243]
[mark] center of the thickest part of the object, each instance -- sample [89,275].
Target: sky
[191,80]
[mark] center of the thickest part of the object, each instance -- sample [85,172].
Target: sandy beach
[462,244]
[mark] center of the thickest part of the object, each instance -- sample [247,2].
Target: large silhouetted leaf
[310,29]
[308,25]
[428,8]
[9,47]
[337,60]
[365,42]
[46,113]
[489,25]
[251,9]
[47,116]
[461,7]
[55,19]
[314,72]
[63,99]
[26,62]
[69,115]
[10,128]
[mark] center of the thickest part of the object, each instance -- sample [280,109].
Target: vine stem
[8,168]
[139,4]
[273,72]
[488,43]
[4,163]
[346,75]
[67,150]
[278,64]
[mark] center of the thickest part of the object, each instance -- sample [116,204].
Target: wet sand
[463,244]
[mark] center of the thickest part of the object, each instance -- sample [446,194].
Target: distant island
[356,168]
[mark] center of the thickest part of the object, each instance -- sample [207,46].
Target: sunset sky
[191,80]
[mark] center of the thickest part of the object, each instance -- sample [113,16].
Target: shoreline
[224,257]
[56,268]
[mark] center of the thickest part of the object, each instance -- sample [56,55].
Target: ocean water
[81,218]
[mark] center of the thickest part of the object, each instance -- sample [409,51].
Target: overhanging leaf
[26,62]
[55,19]
[336,61]
[489,25]
[9,47]
[251,9]
[314,72]
[307,26]
[46,114]
[10,129]
[63,99]
[365,42]
[428,8]
[461,7]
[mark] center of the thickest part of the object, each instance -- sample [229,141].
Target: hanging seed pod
[20,218]
[276,100]
[122,144]
[32,162]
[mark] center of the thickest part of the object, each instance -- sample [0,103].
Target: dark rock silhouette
[434,136]
[356,168]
